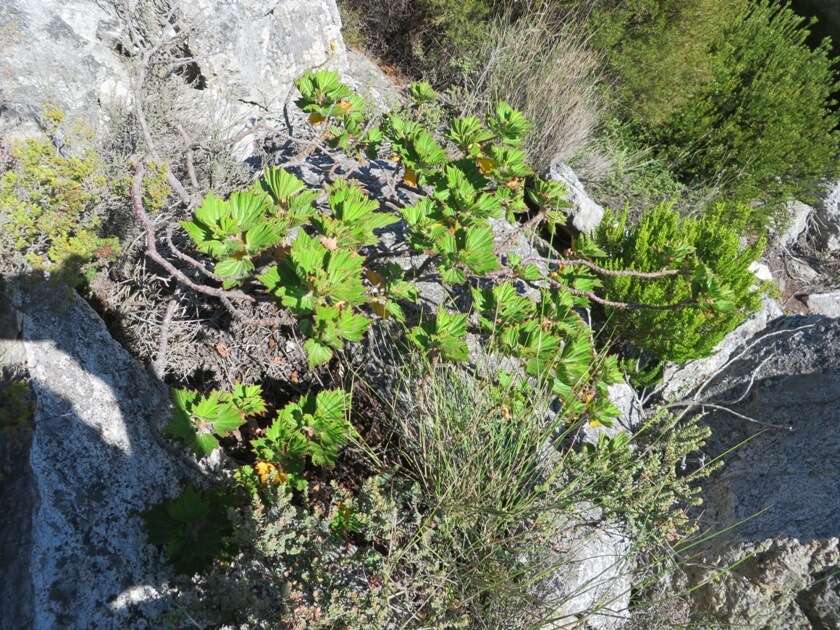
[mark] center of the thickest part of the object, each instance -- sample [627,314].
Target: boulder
[81,463]
[596,578]
[774,508]
[761,271]
[56,53]
[800,214]
[827,237]
[368,79]
[585,214]
[76,54]
[250,51]
[827,304]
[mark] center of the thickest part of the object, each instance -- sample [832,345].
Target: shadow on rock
[81,460]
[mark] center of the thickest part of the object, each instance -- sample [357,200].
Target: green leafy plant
[50,207]
[720,292]
[353,218]
[193,529]
[322,286]
[335,281]
[331,103]
[199,421]
[233,232]
[444,335]
[730,92]
[313,429]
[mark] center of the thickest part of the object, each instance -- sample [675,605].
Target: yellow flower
[410,178]
[269,473]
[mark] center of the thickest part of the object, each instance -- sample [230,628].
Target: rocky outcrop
[77,55]
[596,578]
[87,462]
[827,304]
[56,53]
[800,214]
[775,505]
[584,214]
[827,230]
[251,51]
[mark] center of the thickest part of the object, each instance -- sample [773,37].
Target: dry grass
[543,65]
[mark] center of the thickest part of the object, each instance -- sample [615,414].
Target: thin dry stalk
[542,64]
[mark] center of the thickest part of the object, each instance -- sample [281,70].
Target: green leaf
[211,210]
[247,208]
[234,268]
[352,326]
[422,92]
[261,237]
[307,253]
[317,353]
[478,255]
[281,185]
[332,404]
[509,124]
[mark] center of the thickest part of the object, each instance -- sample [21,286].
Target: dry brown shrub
[543,65]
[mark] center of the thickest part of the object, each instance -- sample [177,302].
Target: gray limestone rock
[77,55]
[251,51]
[585,213]
[827,304]
[800,216]
[827,230]
[776,502]
[87,465]
[55,53]
[596,578]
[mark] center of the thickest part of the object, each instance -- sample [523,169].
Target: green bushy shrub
[460,523]
[456,515]
[50,206]
[729,92]
[663,239]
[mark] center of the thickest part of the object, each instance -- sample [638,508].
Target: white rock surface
[827,304]
[252,50]
[585,213]
[596,578]
[828,221]
[800,214]
[74,54]
[77,548]
[761,271]
[56,52]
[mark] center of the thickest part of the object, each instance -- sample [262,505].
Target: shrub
[712,245]
[476,474]
[729,92]
[193,529]
[315,428]
[459,524]
[198,421]
[542,64]
[331,278]
[50,206]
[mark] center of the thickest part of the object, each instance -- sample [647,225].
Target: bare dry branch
[159,364]
[152,251]
[615,273]
[186,258]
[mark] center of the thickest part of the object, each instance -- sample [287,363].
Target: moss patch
[16,406]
